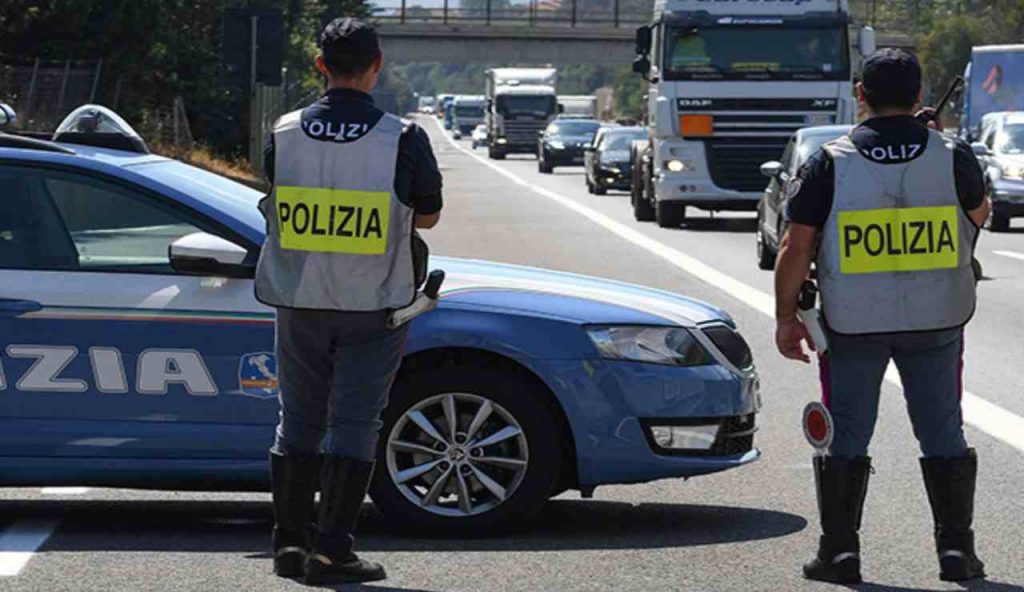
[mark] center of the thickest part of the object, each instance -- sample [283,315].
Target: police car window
[112,227]
[32,235]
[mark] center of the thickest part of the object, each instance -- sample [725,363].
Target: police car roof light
[96,125]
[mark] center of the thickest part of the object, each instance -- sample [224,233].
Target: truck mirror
[867,40]
[561,108]
[643,40]
[642,66]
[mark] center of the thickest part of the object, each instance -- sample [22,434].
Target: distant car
[771,224]
[479,136]
[563,142]
[133,353]
[1000,151]
[607,162]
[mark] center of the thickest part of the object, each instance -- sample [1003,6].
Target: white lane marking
[65,490]
[19,542]
[1010,254]
[984,415]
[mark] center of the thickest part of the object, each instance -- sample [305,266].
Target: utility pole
[254,114]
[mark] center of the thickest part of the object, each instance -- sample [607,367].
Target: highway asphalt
[747,529]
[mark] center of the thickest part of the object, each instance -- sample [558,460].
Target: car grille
[519,131]
[731,344]
[736,436]
[735,163]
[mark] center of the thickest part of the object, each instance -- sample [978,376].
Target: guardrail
[564,13]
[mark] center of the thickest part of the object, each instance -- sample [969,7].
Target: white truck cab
[730,82]
[520,103]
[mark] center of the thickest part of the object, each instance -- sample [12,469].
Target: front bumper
[614,176]
[563,157]
[612,404]
[1008,197]
[695,187]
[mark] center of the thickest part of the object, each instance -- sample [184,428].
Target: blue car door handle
[16,306]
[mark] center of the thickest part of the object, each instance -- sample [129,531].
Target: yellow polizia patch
[899,239]
[333,220]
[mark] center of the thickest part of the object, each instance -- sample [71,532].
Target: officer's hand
[928,114]
[789,337]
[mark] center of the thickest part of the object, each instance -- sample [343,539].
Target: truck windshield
[469,110]
[1011,141]
[754,53]
[526,105]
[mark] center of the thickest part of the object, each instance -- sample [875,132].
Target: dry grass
[237,169]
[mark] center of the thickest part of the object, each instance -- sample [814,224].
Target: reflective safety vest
[338,238]
[897,247]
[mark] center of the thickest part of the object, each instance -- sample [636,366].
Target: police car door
[105,351]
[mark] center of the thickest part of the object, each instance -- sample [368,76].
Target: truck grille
[735,162]
[519,131]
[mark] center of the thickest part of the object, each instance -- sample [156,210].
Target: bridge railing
[566,13]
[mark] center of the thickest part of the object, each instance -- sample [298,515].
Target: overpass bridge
[532,32]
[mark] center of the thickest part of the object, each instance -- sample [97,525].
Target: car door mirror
[980,149]
[204,254]
[771,169]
[7,115]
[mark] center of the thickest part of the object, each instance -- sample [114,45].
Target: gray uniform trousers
[930,367]
[335,370]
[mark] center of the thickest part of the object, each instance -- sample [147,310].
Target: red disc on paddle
[818,428]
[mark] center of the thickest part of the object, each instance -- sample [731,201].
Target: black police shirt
[888,140]
[346,115]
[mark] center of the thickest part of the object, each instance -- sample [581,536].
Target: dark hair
[349,46]
[892,79]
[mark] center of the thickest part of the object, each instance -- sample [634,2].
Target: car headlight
[678,166]
[672,346]
[611,167]
[502,140]
[1013,172]
[556,144]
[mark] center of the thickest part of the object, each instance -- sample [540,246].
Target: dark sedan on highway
[771,220]
[563,142]
[607,162]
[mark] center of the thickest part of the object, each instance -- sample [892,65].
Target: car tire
[510,396]
[544,167]
[997,222]
[590,186]
[669,214]
[642,209]
[599,190]
[765,254]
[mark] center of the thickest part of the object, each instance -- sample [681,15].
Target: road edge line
[19,543]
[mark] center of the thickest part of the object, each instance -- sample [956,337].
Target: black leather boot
[950,483]
[343,486]
[293,483]
[842,485]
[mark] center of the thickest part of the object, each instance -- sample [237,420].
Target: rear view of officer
[891,213]
[350,185]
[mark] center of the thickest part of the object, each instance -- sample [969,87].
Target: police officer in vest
[350,186]
[889,214]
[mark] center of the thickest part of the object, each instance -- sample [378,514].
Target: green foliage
[945,50]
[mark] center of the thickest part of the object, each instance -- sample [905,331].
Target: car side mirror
[7,115]
[980,149]
[771,169]
[204,254]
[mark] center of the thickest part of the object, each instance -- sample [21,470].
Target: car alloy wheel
[457,454]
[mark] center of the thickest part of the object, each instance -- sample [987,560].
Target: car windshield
[574,128]
[739,53]
[526,105]
[622,139]
[1011,141]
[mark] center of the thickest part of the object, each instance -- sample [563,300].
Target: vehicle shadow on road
[972,586]
[244,526]
[709,224]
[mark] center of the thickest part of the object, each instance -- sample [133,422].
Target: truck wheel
[466,451]
[670,214]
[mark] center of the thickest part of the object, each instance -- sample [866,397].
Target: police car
[134,354]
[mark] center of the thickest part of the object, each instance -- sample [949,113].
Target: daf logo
[694,102]
[824,103]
